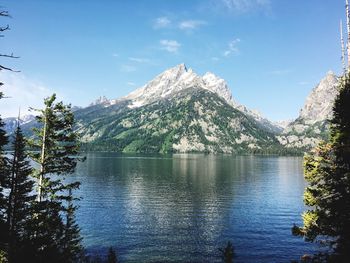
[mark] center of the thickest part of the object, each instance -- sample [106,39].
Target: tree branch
[8,56]
[4,13]
[9,69]
[2,29]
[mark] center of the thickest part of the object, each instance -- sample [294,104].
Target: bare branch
[8,56]
[2,29]
[4,13]
[9,69]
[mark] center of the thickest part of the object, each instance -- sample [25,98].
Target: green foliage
[327,170]
[52,234]
[3,256]
[194,114]
[4,172]
[72,251]
[20,186]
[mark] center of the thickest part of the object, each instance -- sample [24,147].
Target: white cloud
[127,68]
[171,46]
[245,5]
[232,48]
[130,83]
[139,60]
[303,83]
[161,22]
[115,55]
[191,24]
[280,71]
[22,93]
[215,59]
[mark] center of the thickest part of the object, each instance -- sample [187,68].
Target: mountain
[191,120]
[312,124]
[177,111]
[181,111]
[179,78]
[11,123]
[174,80]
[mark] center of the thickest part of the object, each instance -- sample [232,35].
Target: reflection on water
[182,207]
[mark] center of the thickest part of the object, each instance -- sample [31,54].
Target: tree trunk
[42,159]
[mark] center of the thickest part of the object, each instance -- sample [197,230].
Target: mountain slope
[191,120]
[180,111]
[312,124]
[180,78]
[11,123]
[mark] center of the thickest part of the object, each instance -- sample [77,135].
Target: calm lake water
[183,207]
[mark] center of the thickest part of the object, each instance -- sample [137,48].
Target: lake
[183,207]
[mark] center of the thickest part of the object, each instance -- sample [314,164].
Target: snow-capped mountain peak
[180,78]
[219,86]
[174,80]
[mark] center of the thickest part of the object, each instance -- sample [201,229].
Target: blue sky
[271,52]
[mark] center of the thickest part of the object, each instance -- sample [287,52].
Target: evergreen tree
[327,171]
[72,240]
[20,187]
[57,147]
[3,174]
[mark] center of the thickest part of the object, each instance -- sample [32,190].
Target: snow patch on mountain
[12,122]
[174,80]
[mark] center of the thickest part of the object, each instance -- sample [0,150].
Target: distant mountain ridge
[180,111]
[12,122]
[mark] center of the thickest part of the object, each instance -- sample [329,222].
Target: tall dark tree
[71,236]
[57,149]
[4,171]
[3,160]
[327,171]
[20,186]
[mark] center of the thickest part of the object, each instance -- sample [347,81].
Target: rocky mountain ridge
[181,111]
[11,123]
[180,78]
[312,124]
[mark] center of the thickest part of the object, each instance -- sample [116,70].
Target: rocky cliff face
[312,124]
[319,104]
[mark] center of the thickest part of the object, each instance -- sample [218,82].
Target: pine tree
[4,171]
[20,187]
[72,240]
[327,171]
[57,147]
[340,140]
